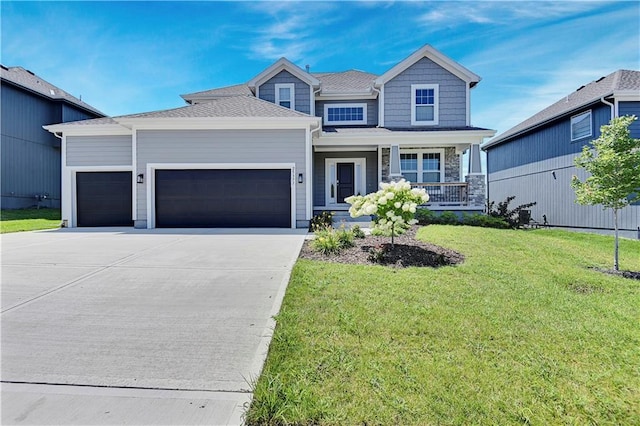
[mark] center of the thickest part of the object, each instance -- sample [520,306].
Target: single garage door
[223,198]
[104,198]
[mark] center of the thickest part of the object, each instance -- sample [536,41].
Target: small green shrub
[484,221]
[357,231]
[326,242]
[377,254]
[502,211]
[426,217]
[321,221]
[345,238]
[449,218]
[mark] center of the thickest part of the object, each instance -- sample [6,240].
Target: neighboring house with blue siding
[279,148]
[31,156]
[534,161]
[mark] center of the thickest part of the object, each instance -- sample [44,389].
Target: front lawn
[29,219]
[525,331]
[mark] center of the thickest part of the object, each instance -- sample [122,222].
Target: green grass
[29,220]
[523,332]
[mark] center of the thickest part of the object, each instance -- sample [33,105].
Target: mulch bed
[376,250]
[634,275]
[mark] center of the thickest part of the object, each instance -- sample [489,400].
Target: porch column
[394,163]
[475,166]
[476,179]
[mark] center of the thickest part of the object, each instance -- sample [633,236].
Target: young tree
[613,162]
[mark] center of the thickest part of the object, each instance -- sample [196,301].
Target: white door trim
[359,172]
[151,184]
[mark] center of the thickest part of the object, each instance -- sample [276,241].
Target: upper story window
[424,104]
[285,95]
[422,166]
[345,114]
[581,125]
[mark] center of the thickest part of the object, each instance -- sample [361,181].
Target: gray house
[534,160]
[278,149]
[31,162]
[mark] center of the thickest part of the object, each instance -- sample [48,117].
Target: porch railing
[445,193]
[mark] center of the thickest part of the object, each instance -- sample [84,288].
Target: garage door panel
[104,198]
[223,198]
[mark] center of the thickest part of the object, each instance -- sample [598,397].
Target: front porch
[452,185]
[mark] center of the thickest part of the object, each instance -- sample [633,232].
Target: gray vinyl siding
[30,155]
[631,108]
[554,196]
[221,146]
[99,151]
[70,113]
[553,140]
[372,109]
[319,171]
[267,90]
[452,95]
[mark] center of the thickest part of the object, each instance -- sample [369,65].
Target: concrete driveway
[138,326]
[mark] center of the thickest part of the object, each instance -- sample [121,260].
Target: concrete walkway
[125,326]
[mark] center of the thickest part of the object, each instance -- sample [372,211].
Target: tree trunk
[392,234]
[615,251]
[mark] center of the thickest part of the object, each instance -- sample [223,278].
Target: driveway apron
[138,326]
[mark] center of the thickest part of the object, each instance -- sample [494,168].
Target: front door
[345,180]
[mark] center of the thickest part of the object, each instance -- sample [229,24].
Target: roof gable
[221,92]
[427,51]
[281,65]
[621,81]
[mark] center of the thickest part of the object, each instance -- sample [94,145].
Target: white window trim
[420,170]
[590,125]
[347,123]
[360,184]
[292,92]
[436,101]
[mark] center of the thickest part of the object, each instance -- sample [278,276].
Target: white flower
[397,204]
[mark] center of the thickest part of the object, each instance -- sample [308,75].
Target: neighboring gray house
[31,155]
[276,150]
[534,160]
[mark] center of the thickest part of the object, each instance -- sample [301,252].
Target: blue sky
[126,57]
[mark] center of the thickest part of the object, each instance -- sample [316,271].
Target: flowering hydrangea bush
[393,205]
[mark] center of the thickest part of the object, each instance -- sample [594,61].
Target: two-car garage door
[195,198]
[206,198]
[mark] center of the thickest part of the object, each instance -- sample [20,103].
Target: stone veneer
[451,165]
[477,190]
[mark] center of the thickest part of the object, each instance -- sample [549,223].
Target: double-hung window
[581,126]
[422,166]
[285,95]
[424,104]
[345,114]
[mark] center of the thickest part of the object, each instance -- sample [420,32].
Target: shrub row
[332,241]
[428,217]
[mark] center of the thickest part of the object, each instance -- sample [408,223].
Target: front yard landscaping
[29,219]
[526,330]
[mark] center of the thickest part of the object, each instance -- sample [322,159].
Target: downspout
[380,98]
[610,106]
[314,102]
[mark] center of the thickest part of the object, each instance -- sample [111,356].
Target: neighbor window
[285,95]
[345,114]
[581,126]
[422,166]
[424,104]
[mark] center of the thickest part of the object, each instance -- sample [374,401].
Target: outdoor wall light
[300,178]
[554,174]
[140,178]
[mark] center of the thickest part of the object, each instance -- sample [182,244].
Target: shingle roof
[621,80]
[237,90]
[352,81]
[235,106]
[94,121]
[345,82]
[28,80]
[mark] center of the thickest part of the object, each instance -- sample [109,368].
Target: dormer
[427,89]
[287,85]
